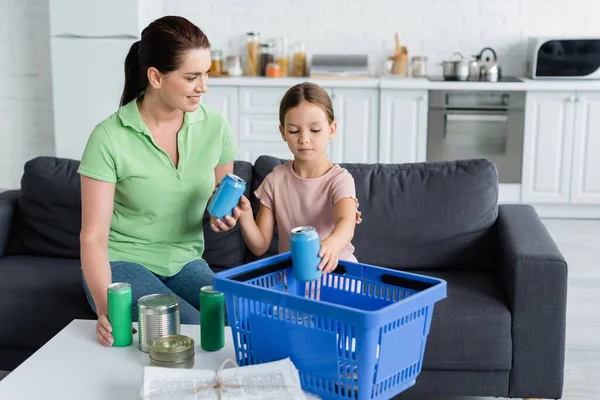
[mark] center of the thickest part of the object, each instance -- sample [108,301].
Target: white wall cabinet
[402,126]
[357,114]
[560,154]
[224,99]
[253,113]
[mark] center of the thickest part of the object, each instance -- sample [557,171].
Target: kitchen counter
[413,83]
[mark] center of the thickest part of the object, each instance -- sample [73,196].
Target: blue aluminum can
[305,245]
[227,196]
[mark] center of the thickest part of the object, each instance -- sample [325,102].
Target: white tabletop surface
[73,365]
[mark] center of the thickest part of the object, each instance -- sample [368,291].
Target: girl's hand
[227,223]
[329,257]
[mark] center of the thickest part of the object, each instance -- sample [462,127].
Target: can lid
[303,229]
[236,178]
[158,301]
[209,290]
[172,348]
[118,286]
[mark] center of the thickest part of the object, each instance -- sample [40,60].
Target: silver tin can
[173,351]
[158,316]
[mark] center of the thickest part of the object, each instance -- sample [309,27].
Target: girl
[309,190]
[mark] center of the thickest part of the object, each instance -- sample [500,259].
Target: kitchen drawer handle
[476,118]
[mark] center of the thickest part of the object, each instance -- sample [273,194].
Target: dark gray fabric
[8,207]
[49,217]
[471,327]
[459,383]
[408,210]
[10,358]
[446,206]
[262,167]
[40,296]
[534,274]
[227,249]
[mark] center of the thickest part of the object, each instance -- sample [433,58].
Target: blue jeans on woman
[186,285]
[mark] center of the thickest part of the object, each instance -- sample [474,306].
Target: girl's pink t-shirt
[300,201]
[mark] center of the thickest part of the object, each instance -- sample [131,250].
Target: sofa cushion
[40,296]
[48,220]
[49,215]
[227,249]
[432,215]
[471,327]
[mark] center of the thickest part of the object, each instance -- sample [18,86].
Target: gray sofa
[500,332]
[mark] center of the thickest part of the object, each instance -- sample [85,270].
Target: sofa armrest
[8,205]
[534,273]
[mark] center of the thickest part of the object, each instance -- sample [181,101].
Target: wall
[26,124]
[435,28]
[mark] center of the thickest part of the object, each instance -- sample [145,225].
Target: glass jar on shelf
[299,60]
[419,66]
[266,57]
[281,55]
[234,65]
[273,70]
[252,53]
[216,63]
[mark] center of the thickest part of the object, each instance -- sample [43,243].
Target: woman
[147,173]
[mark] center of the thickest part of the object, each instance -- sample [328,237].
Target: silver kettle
[488,69]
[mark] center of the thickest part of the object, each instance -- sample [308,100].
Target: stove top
[503,79]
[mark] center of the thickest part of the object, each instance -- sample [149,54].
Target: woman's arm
[257,234]
[97,199]
[222,170]
[344,217]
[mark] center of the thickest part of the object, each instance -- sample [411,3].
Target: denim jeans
[186,285]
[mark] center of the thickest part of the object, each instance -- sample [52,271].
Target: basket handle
[392,277]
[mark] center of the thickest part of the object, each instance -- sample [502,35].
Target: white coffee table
[74,366]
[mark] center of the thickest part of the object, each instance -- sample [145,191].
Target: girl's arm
[344,217]
[257,234]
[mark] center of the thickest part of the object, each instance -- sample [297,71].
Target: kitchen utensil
[400,63]
[455,70]
[489,70]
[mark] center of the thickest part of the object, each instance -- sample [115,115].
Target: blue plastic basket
[357,333]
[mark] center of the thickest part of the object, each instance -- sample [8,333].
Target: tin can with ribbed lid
[158,316]
[173,351]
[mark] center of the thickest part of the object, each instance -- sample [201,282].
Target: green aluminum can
[119,313]
[212,319]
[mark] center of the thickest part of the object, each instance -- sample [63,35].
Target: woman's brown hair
[162,46]
[306,91]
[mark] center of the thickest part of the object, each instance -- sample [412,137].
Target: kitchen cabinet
[224,99]
[357,114]
[562,135]
[403,126]
[253,113]
[585,187]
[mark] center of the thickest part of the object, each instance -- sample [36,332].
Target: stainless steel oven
[478,124]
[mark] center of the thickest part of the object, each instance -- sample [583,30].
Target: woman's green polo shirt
[158,209]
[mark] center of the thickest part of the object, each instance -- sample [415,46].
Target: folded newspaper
[278,380]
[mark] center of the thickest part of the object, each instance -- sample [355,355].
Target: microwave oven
[563,58]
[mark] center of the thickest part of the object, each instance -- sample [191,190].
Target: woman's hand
[329,256]
[227,223]
[104,329]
